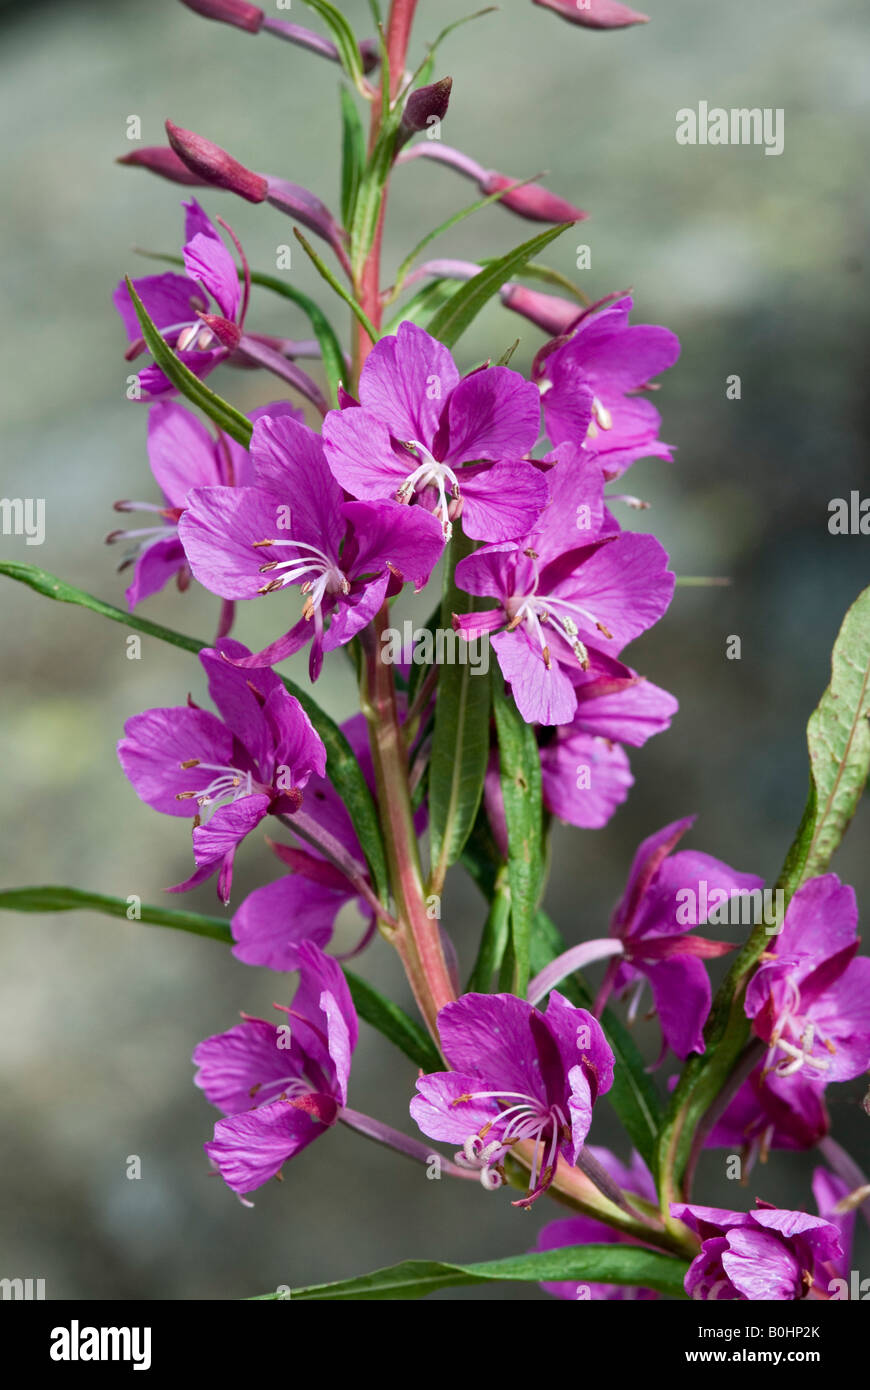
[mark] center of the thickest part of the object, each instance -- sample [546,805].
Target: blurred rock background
[757,262]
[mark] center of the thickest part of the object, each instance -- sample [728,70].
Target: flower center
[794,1039]
[535,611]
[525,1117]
[601,419]
[431,473]
[144,537]
[225,787]
[319,574]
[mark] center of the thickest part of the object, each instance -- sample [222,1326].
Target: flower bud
[236,12]
[215,166]
[227,333]
[424,105]
[595,14]
[162,160]
[531,201]
[549,311]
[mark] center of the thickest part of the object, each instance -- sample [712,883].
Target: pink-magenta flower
[280,1086]
[589,381]
[175,302]
[585,1230]
[517,1075]
[182,455]
[345,556]
[570,595]
[809,1000]
[762,1255]
[454,444]
[227,772]
[657,948]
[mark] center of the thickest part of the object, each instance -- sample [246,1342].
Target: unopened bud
[595,14]
[236,12]
[531,200]
[549,311]
[162,160]
[423,106]
[227,333]
[215,166]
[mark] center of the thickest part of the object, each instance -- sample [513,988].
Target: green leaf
[345,41]
[393,1023]
[838,736]
[380,1013]
[839,746]
[520,769]
[335,284]
[232,421]
[342,767]
[370,196]
[421,307]
[632,1095]
[353,154]
[460,746]
[599,1264]
[52,898]
[494,940]
[451,321]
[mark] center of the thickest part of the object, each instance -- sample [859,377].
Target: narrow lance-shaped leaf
[839,746]
[336,285]
[342,767]
[344,38]
[232,421]
[353,154]
[520,769]
[604,1264]
[382,1014]
[460,746]
[452,319]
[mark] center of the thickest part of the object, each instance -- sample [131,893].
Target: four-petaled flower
[280,1086]
[762,1255]
[455,444]
[294,526]
[518,1075]
[228,772]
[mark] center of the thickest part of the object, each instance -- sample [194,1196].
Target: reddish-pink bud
[531,201]
[236,12]
[215,166]
[550,312]
[425,106]
[162,160]
[227,333]
[595,14]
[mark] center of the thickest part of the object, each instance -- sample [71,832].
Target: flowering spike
[215,166]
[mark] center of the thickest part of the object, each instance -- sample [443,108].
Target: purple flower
[182,455]
[757,1256]
[589,379]
[455,444]
[280,1086]
[517,1075]
[345,556]
[571,595]
[649,920]
[810,998]
[227,772]
[585,1230]
[275,919]
[772,1112]
[175,302]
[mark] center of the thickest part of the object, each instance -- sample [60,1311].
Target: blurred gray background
[756,262]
